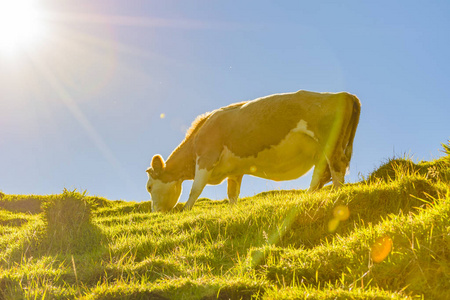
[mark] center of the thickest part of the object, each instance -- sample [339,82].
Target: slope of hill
[387,237]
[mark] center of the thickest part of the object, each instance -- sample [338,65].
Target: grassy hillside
[387,237]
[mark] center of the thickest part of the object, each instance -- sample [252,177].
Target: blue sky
[81,107]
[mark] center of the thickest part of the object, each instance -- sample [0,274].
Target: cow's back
[249,128]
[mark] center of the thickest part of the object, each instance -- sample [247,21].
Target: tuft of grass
[396,168]
[66,212]
[392,168]
[69,227]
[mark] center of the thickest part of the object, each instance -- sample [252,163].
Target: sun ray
[109,43]
[65,97]
[140,21]
[84,122]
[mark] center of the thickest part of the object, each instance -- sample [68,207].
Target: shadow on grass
[24,204]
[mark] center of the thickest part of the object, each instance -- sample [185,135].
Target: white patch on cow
[160,185]
[294,156]
[302,127]
[201,175]
[164,194]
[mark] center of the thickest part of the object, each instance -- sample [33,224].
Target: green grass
[275,245]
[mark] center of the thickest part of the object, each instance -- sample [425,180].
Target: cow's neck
[181,163]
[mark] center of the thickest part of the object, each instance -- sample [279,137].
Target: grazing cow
[278,137]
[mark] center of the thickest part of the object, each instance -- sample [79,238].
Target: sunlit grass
[390,241]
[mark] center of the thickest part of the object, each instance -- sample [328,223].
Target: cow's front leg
[234,188]
[200,181]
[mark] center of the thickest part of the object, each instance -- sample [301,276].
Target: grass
[386,237]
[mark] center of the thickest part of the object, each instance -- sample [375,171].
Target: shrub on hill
[68,220]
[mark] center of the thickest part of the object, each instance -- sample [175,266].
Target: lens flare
[333,225]
[340,213]
[381,249]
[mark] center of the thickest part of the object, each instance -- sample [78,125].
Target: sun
[20,25]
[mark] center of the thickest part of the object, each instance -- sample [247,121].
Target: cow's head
[164,193]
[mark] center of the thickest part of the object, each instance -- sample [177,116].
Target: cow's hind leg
[338,174]
[321,175]
[340,143]
[234,188]
[340,160]
[339,163]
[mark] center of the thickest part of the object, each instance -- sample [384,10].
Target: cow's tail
[351,128]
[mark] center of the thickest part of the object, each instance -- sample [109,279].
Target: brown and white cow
[278,137]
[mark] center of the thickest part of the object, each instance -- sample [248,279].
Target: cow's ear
[157,165]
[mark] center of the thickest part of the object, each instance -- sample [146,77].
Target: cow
[277,137]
